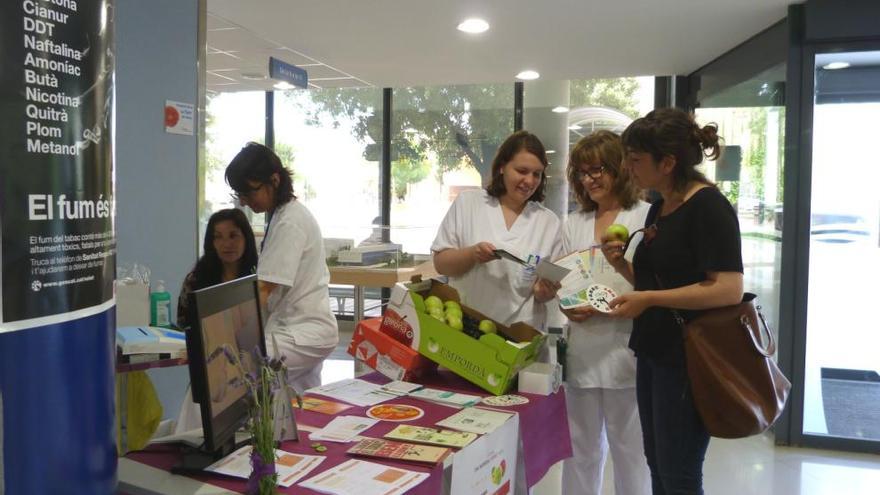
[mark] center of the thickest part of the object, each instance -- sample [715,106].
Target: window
[443,140]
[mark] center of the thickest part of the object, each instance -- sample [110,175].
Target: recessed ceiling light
[836,65]
[550,152]
[473,26]
[528,75]
[283,85]
[252,76]
[559,109]
[574,127]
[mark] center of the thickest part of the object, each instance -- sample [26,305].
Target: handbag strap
[743,320]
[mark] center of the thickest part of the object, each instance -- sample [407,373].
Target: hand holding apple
[616,232]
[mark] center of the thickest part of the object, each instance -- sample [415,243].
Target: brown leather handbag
[737,387]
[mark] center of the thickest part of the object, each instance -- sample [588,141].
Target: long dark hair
[256,162]
[209,269]
[516,142]
[672,132]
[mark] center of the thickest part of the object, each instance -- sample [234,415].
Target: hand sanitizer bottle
[160,306]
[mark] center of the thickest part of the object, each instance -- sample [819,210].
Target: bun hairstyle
[603,148]
[672,132]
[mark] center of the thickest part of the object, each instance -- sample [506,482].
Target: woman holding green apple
[689,260]
[507,215]
[600,368]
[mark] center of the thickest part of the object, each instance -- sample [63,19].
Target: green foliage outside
[452,126]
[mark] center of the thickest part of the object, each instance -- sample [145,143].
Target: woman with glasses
[689,260]
[292,271]
[600,368]
[506,215]
[230,252]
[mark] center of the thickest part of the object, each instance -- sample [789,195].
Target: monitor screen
[228,317]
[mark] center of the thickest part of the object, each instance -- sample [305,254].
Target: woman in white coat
[506,215]
[600,368]
[292,270]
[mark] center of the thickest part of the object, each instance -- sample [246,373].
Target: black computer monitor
[228,315]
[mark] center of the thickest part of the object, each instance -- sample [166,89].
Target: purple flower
[259,470]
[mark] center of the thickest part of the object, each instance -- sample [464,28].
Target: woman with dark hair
[292,271]
[600,369]
[689,260]
[506,215]
[230,252]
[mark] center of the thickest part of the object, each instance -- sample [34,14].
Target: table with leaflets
[544,440]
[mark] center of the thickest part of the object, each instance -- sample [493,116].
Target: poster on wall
[488,465]
[179,117]
[58,244]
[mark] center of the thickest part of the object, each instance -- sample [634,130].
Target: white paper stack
[343,429]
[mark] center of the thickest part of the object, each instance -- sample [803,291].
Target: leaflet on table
[289,466]
[400,387]
[356,477]
[446,397]
[475,420]
[388,449]
[431,436]
[573,293]
[353,391]
[323,406]
[343,429]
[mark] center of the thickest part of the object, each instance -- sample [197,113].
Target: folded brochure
[431,436]
[388,449]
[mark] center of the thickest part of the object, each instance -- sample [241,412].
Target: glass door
[842,362]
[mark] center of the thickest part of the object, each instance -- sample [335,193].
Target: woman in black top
[689,260]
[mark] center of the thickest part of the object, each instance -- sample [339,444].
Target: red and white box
[385,354]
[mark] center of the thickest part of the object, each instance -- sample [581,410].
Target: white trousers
[603,419]
[304,363]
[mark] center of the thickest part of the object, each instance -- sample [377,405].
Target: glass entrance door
[842,365]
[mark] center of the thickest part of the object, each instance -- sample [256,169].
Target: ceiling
[396,43]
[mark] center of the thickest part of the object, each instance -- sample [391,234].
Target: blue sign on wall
[287,72]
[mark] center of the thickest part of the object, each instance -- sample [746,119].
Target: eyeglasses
[594,173]
[239,195]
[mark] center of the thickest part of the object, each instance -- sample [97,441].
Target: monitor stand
[195,460]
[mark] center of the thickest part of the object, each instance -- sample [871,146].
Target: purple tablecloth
[543,430]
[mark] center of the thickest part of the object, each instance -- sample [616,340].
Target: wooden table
[361,276]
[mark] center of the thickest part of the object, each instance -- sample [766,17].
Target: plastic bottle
[160,306]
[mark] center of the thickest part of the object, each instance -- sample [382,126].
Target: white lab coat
[500,289]
[299,309]
[600,377]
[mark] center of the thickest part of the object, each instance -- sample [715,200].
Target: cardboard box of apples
[462,339]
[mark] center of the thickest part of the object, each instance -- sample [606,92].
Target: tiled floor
[752,466]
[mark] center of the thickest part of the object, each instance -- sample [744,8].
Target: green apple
[437,313]
[617,232]
[453,311]
[454,322]
[488,326]
[433,302]
[452,304]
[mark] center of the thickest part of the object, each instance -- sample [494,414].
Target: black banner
[56,157]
